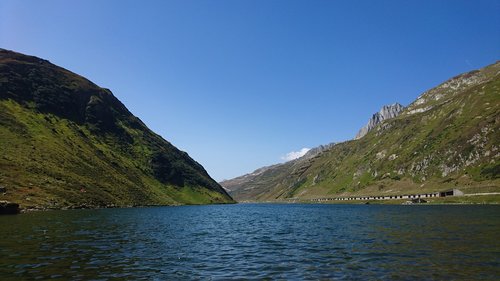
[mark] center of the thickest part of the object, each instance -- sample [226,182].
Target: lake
[254,241]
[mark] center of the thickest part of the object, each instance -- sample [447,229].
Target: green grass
[483,199]
[51,164]
[66,142]
[455,144]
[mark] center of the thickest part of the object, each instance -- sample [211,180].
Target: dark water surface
[254,241]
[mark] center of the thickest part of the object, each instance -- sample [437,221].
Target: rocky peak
[387,112]
[317,150]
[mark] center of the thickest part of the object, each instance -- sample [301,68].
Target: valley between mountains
[68,143]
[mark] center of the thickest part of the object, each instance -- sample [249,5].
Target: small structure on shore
[412,197]
[451,192]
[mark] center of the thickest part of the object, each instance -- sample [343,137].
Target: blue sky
[239,84]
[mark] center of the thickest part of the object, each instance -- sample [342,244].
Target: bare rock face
[317,150]
[387,112]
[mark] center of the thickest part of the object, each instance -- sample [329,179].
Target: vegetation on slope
[67,142]
[449,137]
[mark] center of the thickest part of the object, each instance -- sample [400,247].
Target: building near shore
[451,192]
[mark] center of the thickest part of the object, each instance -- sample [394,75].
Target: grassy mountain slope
[448,137]
[66,142]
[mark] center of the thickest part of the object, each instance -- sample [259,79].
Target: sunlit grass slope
[449,137]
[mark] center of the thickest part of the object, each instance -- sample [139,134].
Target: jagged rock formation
[66,142]
[387,112]
[448,137]
[317,150]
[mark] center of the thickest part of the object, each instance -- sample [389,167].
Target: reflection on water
[254,241]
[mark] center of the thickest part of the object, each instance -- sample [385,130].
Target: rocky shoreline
[82,207]
[14,208]
[9,208]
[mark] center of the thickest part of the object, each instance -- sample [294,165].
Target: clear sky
[238,84]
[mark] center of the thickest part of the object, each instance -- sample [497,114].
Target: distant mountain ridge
[67,142]
[240,187]
[248,186]
[317,150]
[448,137]
[255,183]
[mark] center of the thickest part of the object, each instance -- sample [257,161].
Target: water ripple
[254,242]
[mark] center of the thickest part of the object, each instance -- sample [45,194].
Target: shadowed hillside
[66,142]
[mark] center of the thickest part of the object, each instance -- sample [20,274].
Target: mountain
[256,184]
[387,112]
[449,137]
[316,150]
[65,142]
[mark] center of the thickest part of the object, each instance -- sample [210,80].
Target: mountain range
[66,143]
[448,137]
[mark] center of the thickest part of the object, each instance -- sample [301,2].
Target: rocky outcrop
[317,150]
[8,208]
[387,112]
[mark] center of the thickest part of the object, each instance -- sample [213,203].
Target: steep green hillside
[449,137]
[66,142]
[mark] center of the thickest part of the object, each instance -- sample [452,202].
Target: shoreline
[466,199]
[31,209]
[492,199]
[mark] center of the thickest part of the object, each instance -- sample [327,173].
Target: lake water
[254,241]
